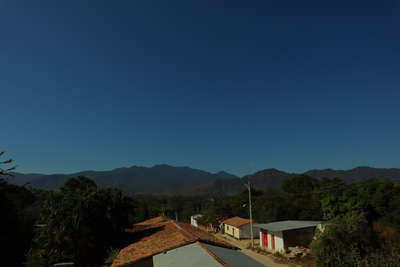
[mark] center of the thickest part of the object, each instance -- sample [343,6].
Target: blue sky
[239,86]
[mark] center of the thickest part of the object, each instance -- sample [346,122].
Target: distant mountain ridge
[159,179]
[165,179]
[357,174]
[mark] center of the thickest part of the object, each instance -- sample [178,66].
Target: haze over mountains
[165,179]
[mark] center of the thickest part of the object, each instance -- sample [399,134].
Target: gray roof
[194,255]
[287,225]
[233,258]
[189,255]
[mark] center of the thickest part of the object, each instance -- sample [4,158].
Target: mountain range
[165,179]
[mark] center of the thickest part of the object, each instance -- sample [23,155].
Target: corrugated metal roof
[189,255]
[287,225]
[195,255]
[233,258]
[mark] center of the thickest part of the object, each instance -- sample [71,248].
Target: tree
[16,223]
[346,242]
[299,190]
[363,226]
[83,222]
[5,171]
[275,207]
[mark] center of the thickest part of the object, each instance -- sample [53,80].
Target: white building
[194,219]
[280,235]
[239,228]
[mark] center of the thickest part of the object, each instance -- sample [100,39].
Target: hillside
[159,179]
[165,179]
[357,174]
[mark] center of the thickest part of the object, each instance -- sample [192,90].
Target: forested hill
[159,179]
[357,174]
[165,179]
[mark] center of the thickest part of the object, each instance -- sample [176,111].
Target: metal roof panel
[287,225]
[189,255]
[233,258]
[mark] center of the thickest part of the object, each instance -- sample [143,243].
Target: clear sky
[239,86]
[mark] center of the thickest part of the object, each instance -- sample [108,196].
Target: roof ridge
[186,232]
[212,254]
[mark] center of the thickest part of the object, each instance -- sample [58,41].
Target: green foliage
[112,254]
[346,242]
[258,249]
[354,237]
[5,171]
[40,257]
[16,224]
[371,198]
[300,193]
[82,222]
[299,184]
[274,206]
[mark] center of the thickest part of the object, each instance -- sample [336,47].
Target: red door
[265,238]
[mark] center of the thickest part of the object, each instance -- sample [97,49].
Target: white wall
[279,244]
[278,236]
[193,222]
[232,231]
[194,218]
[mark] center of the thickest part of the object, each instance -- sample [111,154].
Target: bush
[345,243]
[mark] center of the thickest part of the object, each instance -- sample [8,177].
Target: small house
[281,235]
[239,228]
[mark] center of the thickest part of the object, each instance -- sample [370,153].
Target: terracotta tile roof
[160,237]
[145,224]
[236,221]
[154,220]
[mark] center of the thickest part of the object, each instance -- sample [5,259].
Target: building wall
[299,237]
[289,238]
[275,240]
[193,222]
[194,219]
[232,231]
[246,233]
[242,232]
[279,244]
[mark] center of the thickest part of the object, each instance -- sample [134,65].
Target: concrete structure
[280,235]
[239,228]
[194,220]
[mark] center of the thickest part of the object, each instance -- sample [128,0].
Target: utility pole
[251,214]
